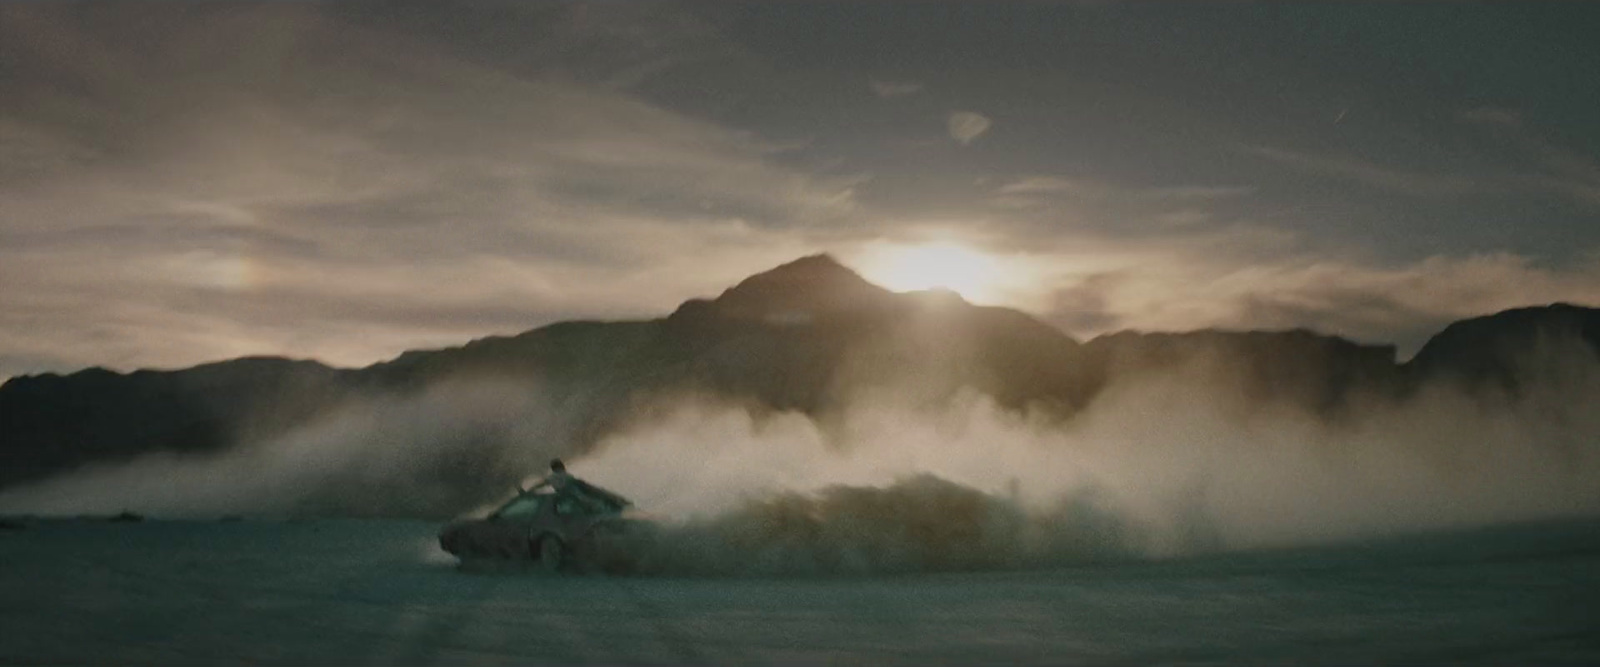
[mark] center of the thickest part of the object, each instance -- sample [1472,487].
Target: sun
[960,269]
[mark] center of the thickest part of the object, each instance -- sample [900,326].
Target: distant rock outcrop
[1501,350]
[1298,367]
[53,422]
[808,336]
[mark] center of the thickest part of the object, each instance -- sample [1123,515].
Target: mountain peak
[1494,346]
[805,286]
[810,271]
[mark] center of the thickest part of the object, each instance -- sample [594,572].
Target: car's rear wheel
[551,552]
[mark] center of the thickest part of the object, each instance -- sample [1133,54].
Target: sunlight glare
[972,274]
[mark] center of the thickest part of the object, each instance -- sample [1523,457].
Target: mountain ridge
[808,336]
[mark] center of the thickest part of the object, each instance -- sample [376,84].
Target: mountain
[1503,350]
[808,336]
[49,422]
[1297,367]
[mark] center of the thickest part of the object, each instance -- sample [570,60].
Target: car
[557,532]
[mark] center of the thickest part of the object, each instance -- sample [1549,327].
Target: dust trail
[917,524]
[1156,466]
[427,454]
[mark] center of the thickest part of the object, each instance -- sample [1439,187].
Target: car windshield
[520,506]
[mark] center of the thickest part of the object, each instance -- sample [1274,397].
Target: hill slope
[809,336]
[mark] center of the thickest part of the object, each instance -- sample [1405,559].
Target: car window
[524,506]
[568,507]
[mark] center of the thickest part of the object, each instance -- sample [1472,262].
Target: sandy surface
[379,592]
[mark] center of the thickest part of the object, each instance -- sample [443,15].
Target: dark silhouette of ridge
[1499,350]
[809,336]
[1298,366]
[817,283]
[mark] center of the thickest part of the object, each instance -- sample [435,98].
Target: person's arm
[542,483]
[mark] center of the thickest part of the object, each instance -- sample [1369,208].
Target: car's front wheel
[551,552]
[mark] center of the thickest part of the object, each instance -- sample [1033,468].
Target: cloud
[888,89]
[1419,184]
[344,183]
[1090,279]
[1493,116]
[1055,204]
[1099,189]
[346,191]
[1203,281]
[966,126]
[29,153]
[1549,168]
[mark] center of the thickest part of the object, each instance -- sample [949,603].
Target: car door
[570,516]
[519,520]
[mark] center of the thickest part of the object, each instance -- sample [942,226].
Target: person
[563,484]
[559,480]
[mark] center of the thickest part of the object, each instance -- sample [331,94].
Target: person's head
[557,466]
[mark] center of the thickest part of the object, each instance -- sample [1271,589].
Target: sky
[188,182]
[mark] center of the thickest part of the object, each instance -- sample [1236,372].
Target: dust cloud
[1156,466]
[427,454]
[1152,468]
